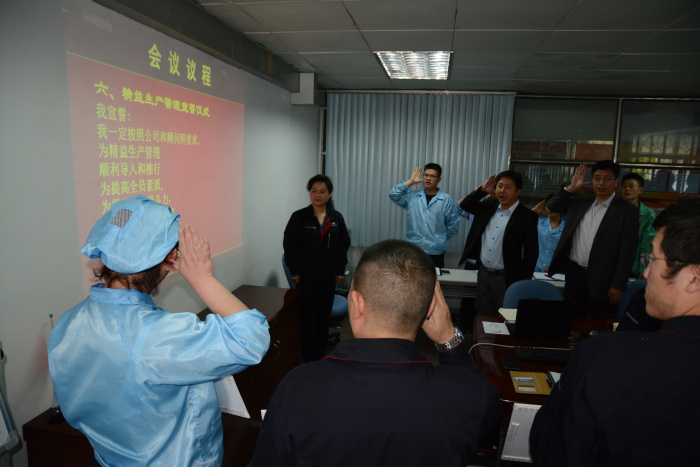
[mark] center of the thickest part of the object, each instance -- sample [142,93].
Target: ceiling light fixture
[415,65]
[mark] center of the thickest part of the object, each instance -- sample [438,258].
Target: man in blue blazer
[597,247]
[502,238]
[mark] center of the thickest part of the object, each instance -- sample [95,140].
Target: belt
[494,272]
[576,265]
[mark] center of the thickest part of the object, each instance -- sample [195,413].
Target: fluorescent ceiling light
[415,65]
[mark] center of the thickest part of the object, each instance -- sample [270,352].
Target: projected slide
[150,135]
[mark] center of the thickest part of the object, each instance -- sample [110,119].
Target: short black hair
[607,164]
[633,176]
[397,281]
[681,242]
[433,166]
[513,175]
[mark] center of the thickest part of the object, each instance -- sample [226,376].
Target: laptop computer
[542,319]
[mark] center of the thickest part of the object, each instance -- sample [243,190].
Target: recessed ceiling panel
[271,42]
[676,62]
[511,14]
[387,15]
[235,18]
[625,14]
[480,73]
[490,60]
[341,41]
[498,42]
[593,41]
[568,61]
[300,16]
[342,61]
[670,42]
[402,41]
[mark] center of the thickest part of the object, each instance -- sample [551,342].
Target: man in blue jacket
[432,213]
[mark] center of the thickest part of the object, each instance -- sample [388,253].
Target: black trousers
[576,290]
[438,260]
[316,304]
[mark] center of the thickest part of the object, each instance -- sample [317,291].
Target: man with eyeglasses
[432,214]
[597,248]
[631,398]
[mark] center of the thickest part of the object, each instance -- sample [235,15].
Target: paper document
[230,398]
[517,446]
[495,328]
[508,313]
[542,276]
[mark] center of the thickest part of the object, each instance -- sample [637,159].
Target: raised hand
[415,177]
[579,178]
[438,325]
[195,263]
[489,186]
[540,207]
[196,266]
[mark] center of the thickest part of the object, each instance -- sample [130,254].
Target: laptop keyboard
[542,354]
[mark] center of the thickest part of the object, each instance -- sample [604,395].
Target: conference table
[461,283]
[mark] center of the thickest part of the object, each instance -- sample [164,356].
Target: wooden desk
[461,283]
[488,357]
[58,444]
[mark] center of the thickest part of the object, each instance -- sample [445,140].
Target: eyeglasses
[605,180]
[652,259]
[430,176]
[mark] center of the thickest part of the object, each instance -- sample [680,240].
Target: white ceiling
[638,48]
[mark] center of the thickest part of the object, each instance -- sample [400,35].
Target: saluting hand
[540,207]
[489,186]
[438,325]
[415,177]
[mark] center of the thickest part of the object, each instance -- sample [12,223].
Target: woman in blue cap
[137,380]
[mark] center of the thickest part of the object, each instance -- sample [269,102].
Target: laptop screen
[543,318]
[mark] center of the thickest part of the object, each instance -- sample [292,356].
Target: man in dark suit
[631,398]
[503,238]
[597,247]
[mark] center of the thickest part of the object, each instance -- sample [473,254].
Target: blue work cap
[136,234]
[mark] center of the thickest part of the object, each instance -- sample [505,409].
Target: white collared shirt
[582,241]
[492,238]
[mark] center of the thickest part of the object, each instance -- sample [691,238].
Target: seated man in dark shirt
[631,398]
[376,400]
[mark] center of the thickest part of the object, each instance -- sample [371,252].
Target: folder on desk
[530,382]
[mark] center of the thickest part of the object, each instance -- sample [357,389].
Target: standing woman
[316,242]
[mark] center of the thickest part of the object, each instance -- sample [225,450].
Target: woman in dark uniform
[316,242]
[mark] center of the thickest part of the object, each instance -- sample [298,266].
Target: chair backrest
[292,284]
[530,289]
[632,288]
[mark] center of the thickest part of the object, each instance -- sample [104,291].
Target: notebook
[542,319]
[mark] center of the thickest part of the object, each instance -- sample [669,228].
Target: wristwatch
[452,343]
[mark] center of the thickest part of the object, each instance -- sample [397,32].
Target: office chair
[530,289]
[632,288]
[338,312]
